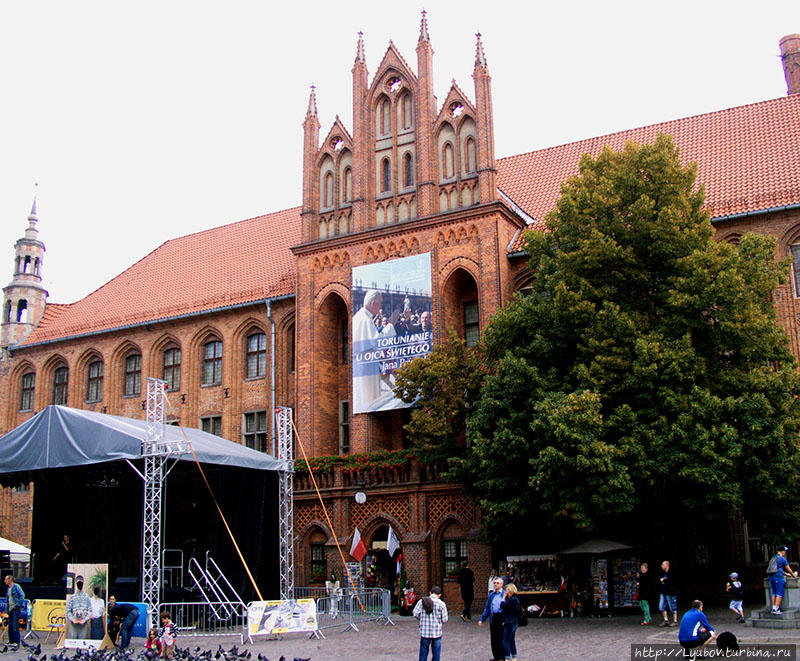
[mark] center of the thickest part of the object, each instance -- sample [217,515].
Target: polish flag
[357,549]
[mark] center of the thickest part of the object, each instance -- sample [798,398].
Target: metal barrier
[202,618]
[344,607]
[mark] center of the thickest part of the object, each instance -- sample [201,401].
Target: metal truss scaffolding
[285,447]
[156,452]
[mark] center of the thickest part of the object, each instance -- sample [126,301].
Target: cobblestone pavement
[604,639]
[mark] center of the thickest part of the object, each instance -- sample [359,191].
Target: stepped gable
[237,263]
[748,158]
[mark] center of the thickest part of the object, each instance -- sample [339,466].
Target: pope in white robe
[367,372]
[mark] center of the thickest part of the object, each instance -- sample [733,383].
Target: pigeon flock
[34,653]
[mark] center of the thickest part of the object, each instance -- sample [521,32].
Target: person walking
[668,601]
[736,591]
[645,591]
[431,612]
[777,571]
[510,608]
[466,579]
[15,603]
[492,611]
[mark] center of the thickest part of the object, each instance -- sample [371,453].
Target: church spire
[360,57]
[312,103]
[480,56]
[423,27]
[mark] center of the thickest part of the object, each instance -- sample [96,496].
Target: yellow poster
[47,612]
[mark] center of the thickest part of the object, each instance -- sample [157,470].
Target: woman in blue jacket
[510,607]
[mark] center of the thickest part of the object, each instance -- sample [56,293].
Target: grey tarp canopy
[596,547]
[60,436]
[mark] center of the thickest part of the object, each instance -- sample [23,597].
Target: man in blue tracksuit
[695,631]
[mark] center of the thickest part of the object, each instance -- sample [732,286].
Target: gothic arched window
[408,170]
[386,173]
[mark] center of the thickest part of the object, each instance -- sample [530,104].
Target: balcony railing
[342,477]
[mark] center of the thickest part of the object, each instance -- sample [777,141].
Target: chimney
[790,55]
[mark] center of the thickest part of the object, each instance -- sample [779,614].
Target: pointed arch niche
[461,309]
[331,361]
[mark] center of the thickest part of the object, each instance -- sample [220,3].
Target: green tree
[647,370]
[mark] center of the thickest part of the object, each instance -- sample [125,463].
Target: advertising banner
[47,612]
[277,617]
[392,325]
[85,609]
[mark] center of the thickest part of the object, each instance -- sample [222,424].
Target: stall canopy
[596,547]
[18,552]
[61,437]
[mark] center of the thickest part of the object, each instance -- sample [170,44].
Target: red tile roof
[748,157]
[221,267]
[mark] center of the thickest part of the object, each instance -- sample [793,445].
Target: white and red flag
[357,549]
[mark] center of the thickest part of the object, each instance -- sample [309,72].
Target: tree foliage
[647,369]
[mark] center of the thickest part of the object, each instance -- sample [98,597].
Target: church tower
[24,297]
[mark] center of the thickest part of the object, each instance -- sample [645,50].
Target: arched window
[384,120]
[447,160]
[212,363]
[290,348]
[27,387]
[22,307]
[386,174]
[36,263]
[256,355]
[27,266]
[133,375]
[323,229]
[94,381]
[171,368]
[328,199]
[9,305]
[60,384]
[348,184]
[408,170]
[407,118]
[469,155]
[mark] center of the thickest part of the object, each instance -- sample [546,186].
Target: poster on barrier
[281,616]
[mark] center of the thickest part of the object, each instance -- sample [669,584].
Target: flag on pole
[392,543]
[357,549]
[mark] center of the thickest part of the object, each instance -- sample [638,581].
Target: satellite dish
[361,497]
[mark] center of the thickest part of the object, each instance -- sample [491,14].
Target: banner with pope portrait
[392,324]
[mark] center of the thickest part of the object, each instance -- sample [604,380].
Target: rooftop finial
[33,213]
[360,57]
[423,27]
[480,56]
[312,102]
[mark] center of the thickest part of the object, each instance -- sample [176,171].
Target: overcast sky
[144,121]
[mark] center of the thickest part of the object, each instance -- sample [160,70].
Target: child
[167,635]
[734,587]
[152,645]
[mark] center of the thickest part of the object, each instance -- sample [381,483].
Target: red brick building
[258,313]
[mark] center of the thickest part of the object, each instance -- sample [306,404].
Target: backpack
[772,567]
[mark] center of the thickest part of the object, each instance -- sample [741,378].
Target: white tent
[19,553]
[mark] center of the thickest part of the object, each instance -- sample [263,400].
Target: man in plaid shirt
[432,614]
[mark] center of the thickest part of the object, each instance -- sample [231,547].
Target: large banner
[392,325]
[87,586]
[277,617]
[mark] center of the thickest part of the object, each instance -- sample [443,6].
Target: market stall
[611,576]
[541,582]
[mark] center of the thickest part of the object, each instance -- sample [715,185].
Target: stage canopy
[596,547]
[18,552]
[61,437]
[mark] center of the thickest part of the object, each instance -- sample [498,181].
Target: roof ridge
[595,138]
